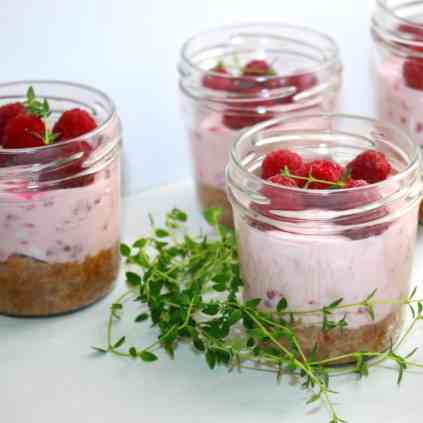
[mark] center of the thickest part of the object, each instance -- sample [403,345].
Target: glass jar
[313,247]
[60,208]
[304,77]
[397,29]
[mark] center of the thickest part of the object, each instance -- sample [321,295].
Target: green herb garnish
[341,183]
[189,290]
[42,110]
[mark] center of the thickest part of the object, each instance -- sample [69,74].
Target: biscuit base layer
[29,287]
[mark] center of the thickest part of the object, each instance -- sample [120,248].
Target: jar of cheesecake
[59,197]
[324,215]
[234,77]
[397,29]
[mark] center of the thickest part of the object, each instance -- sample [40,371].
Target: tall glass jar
[223,94]
[60,208]
[314,247]
[397,29]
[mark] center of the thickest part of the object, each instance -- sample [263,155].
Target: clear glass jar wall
[313,247]
[222,95]
[60,209]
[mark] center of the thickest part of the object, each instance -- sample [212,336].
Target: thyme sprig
[189,290]
[341,183]
[41,109]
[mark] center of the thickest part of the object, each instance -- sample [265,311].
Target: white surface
[49,375]
[130,48]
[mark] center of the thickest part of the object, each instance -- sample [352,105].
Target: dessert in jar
[324,215]
[397,29]
[237,76]
[59,197]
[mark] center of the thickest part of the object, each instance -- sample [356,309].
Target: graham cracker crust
[373,337]
[29,287]
[210,196]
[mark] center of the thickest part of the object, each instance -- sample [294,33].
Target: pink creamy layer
[211,142]
[63,225]
[313,271]
[397,103]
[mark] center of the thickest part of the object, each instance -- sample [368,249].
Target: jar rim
[386,24]
[379,203]
[111,112]
[331,59]
[383,5]
[284,120]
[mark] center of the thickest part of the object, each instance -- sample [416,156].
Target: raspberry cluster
[253,78]
[25,125]
[287,168]
[368,167]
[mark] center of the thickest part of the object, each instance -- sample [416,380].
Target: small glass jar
[397,29]
[60,208]
[314,247]
[305,78]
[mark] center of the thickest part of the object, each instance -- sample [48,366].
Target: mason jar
[303,77]
[60,208]
[313,247]
[397,29]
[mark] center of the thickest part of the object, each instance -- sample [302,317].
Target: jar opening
[398,24]
[65,159]
[293,53]
[343,139]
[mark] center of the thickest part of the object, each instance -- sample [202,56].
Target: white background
[130,49]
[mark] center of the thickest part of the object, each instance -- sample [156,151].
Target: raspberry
[275,162]
[370,166]
[283,180]
[413,73]
[300,82]
[246,85]
[279,199]
[239,119]
[325,170]
[355,183]
[258,68]
[72,124]
[8,112]
[417,31]
[61,152]
[24,131]
[216,82]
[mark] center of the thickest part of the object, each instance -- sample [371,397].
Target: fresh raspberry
[301,82]
[283,180]
[217,82]
[275,162]
[413,73]
[8,112]
[355,183]
[239,119]
[247,86]
[278,198]
[370,166]
[257,68]
[62,152]
[415,30]
[325,170]
[415,33]
[72,124]
[355,200]
[24,131]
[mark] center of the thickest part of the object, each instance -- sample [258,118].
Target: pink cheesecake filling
[398,103]
[313,271]
[211,142]
[63,225]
